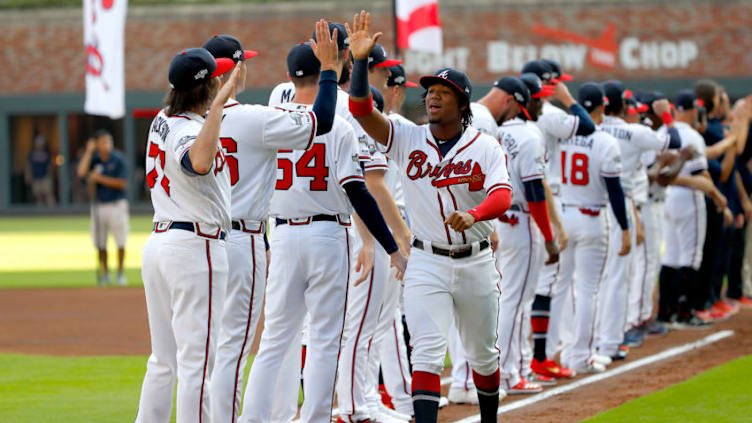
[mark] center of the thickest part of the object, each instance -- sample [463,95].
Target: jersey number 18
[579,169]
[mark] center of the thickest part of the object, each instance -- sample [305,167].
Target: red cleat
[549,368]
[744,302]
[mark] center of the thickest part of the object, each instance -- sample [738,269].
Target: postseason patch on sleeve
[183,144]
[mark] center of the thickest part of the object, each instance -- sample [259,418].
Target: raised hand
[326,48]
[229,88]
[361,41]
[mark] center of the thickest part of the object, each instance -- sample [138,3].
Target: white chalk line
[605,375]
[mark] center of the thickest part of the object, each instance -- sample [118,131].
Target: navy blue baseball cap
[535,85]
[452,78]
[228,46]
[590,96]
[516,88]
[397,77]
[343,41]
[685,100]
[379,59]
[556,74]
[615,92]
[302,62]
[378,99]
[540,68]
[191,67]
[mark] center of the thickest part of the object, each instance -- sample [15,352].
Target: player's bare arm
[640,230]
[362,42]
[204,149]
[364,263]
[377,186]
[85,162]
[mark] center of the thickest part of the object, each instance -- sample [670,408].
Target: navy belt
[316,218]
[455,254]
[191,227]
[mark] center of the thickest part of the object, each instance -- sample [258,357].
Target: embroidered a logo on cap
[201,74]
[519,97]
[400,79]
[444,74]
[237,55]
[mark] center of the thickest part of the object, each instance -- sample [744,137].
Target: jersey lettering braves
[524,147]
[436,185]
[556,125]
[310,182]
[634,139]
[250,137]
[176,194]
[585,161]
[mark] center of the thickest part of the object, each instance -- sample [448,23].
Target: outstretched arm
[361,106]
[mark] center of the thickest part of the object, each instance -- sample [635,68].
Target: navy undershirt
[446,145]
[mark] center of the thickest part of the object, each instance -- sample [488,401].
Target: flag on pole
[418,25]
[104,53]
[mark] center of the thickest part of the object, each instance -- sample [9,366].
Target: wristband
[667,118]
[361,108]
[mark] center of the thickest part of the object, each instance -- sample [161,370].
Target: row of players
[451,181]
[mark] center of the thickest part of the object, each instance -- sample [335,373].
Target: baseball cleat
[462,396]
[543,380]
[691,323]
[656,328]
[603,360]
[621,353]
[383,409]
[443,402]
[524,386]
[385,418]
[744,302]
[590,366]
[122,280]
[549,368]
[634,337]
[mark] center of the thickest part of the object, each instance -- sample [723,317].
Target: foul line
[610,373]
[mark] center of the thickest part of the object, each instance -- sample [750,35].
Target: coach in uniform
[105,169]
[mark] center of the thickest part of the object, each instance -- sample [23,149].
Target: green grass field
[58,252]
[719,395]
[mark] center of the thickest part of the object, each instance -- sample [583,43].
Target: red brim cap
[565,77]
[700,103]
[388,63]
[249,54]
[631,110]
[224,65]
[555,80]
[628,94]
[642,108]
[411,84]
[543,93]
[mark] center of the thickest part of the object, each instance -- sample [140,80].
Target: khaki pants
[109,217]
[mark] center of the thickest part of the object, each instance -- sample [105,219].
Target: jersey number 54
[312,164]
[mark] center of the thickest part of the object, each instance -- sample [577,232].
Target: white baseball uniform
[250,136]
[521,253]
[439,288]
[638,283]
[309,270]
[483,120]
[184,271]
[585,162]
[634,139]
[685,213]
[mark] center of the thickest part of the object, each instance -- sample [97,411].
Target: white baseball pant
[364,305]
[462,374]
[684,232]
[438,288]
[520,257]
[611,319]
[309,271]
[246,255]
[184,281]
[583,265]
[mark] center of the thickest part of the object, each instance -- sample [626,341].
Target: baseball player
[555,124]
[449,167]
[591,166]
[250,137]
[523,230]
[633,140]
[184,262]
[684,225]
[315,194]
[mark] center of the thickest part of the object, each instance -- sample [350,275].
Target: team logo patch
[185,140]
[237,55]
[399,80]
[355,158]
[297,118]
[201,74]
[443,175]
[444,75]
[519,98]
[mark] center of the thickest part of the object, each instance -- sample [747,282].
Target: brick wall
[42,50]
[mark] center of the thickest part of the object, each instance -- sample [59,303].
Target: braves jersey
[633,139]
[250,137]
[556,125]
[585,161]
[640,188]
[176,194]
[436,185]
[310,182]
[483,119]
[699,163]
[655,191]
[285,93]
[393,177]
[523,146]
